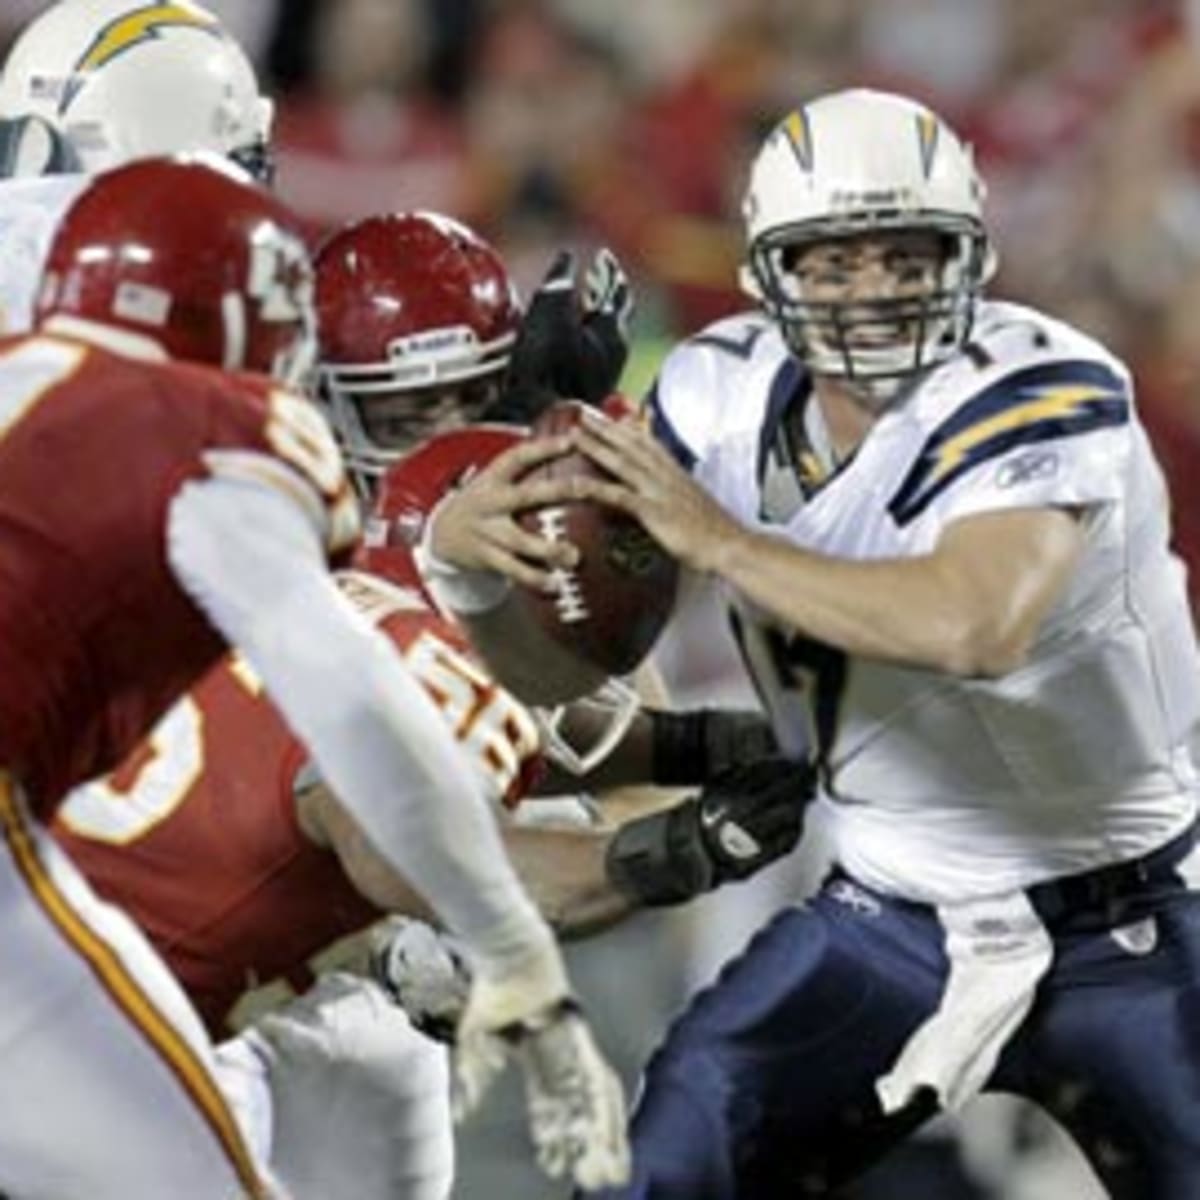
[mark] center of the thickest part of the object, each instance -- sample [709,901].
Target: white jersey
[30,210]
[941,788]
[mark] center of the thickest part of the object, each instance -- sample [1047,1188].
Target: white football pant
[108,1088]
[355,1102]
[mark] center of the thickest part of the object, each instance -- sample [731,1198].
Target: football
[609,609]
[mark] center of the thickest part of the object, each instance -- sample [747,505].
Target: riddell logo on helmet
[877,198]
[433,341]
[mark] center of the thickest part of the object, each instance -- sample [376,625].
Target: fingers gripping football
[475,527]
[609,605]
[649,485]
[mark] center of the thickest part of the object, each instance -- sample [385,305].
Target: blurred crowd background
[630,122]
[548,123]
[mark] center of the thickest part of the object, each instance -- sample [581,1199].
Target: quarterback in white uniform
[945,541]
[944,785]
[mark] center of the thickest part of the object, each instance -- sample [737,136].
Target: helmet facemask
[579,736]
[417,320]
[862,168]
[876,341]
[382,410]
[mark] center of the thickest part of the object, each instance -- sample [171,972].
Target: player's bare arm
[971,607]
[655,846]
[327,823]
[562,868]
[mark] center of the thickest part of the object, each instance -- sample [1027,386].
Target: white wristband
[455,589]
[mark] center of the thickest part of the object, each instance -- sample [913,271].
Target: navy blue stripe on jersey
[665,433]
[741,348]
[789,385]
[1049,400]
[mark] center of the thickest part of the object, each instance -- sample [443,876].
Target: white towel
[998,950]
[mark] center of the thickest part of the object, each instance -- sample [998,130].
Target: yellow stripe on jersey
[1046,401]
[125,991]
[1067,400]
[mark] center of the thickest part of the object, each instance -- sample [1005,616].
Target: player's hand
[575,1101]
[607,293]
[652,487]
[576,1104]
[569,346]
[752,813]
[423,972]
[745,818]
[696,745]
[475,527]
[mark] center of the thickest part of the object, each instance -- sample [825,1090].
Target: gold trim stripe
[125,991]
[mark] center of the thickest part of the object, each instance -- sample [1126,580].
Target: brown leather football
[610,608]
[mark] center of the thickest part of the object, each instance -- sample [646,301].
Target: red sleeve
[497,733]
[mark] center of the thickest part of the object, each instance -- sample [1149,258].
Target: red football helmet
[192,254]
[416,320]
[410,489]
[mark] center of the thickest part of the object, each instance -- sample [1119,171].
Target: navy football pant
[764,1088]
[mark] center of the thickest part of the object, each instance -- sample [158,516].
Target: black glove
[568,349]
[693,746]
[744,819]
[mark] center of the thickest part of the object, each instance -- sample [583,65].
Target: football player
[91,84]
[944,538]
[222,841]
[195,502]
[249,875]
[422,331]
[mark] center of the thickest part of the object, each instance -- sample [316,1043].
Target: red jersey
[99,639]
[196,835]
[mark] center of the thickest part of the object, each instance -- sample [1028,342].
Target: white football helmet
[857,162]
[125,80]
